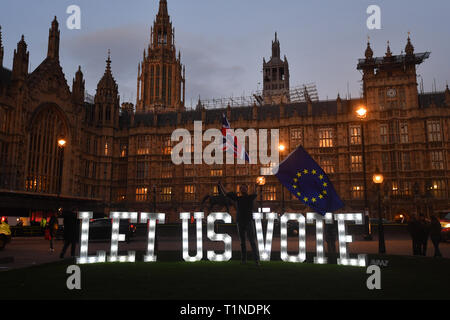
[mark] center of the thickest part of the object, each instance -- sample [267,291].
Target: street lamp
[282,148]
[361,113]
[62,142]
[261,181]
[378,179]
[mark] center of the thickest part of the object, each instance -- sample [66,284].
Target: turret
[20,61]
[78,87]
[107,98]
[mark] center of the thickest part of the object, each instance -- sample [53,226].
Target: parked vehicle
[100,229]
[444,219]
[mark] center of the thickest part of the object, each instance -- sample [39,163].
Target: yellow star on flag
[305,171]
[305,199]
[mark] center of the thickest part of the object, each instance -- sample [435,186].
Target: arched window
[46,152]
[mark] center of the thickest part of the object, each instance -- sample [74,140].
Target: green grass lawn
[404,278]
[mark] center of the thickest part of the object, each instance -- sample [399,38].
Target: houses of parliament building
[59,151]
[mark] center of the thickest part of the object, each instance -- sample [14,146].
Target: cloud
[214,67]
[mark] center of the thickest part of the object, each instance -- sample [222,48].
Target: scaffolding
[297,94]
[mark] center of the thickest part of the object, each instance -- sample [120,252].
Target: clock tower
[161,76]
[390,82]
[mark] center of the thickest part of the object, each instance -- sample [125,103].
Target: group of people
[421,230]
[71,231]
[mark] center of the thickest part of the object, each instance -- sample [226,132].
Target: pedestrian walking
[424,232]
[50,231]
[414,230]
[71,232]
[435,235]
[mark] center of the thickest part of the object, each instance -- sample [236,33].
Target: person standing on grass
[71,232]
[246,225]
[435,235]
[331,236]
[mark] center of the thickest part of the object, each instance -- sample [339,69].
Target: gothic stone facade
[116,158]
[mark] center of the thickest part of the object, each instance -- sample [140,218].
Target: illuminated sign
[264,246]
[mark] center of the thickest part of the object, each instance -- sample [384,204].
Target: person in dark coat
[424,233]
[414,230]
[245,222]
[52,227]
[331,236]
[435,235]
[71,232]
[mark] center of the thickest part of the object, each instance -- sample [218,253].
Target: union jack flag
[230,142]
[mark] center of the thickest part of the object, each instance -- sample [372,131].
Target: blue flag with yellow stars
[308,182]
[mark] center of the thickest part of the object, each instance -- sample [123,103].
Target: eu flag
[308,182]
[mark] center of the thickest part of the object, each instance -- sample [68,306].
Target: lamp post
[378,179]
[281,149]
[362,115]
[261,181]
[62,142]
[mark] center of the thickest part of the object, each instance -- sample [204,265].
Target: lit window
[438,189]
[357,192]
[269,193]
[326,138]
[166,194]
[355,135]
[167,146]
[327,165]
[296,137]
[189,192]
[143,145]
[166,171]
[437,160]
[141,194]
[434,131]
[216,173]
[356,163]
[123,151]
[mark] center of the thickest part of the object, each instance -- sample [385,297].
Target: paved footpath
[24,252]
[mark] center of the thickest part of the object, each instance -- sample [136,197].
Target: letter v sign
[265,249]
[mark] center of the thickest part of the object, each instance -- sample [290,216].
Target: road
[24,252]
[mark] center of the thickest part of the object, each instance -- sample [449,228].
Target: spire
[53,40]
[388,53]
[409,49]
[163,8]
[369,51]
[108,62]
[1,48]
[276,47]
[107,81]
